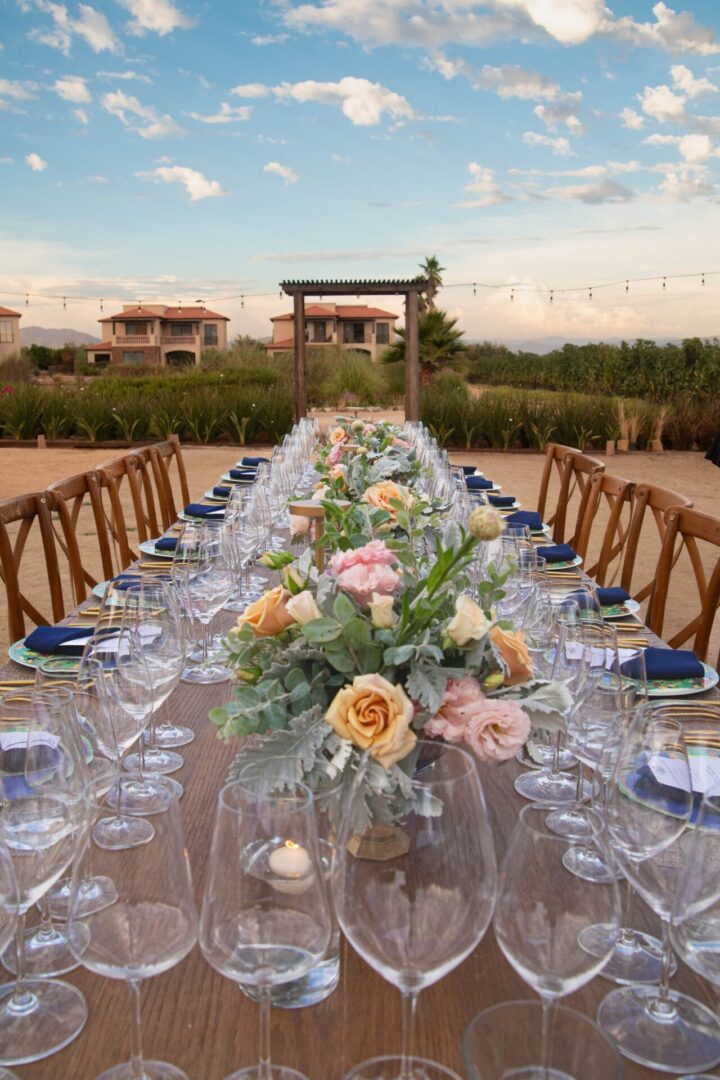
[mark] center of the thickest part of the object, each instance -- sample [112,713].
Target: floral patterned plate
[148,548]
[620,611]
[214,498]
[680,687]
[29,658]
[577,561]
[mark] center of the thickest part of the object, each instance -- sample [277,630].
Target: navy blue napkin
[584,599]
[221,492]
[255,460]
[557,553]
[200,510]
[166,543]
[243,474]
[501,500]
[478,483]
[615,595]
[48,639]
[469,470]
[667,664]
[531,518]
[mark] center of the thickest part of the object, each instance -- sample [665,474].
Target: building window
[136,328]
[317,331]
[101,358]
[181,329]
[6,331]
[382,333]
[135,357]
[211,334]
[354,333]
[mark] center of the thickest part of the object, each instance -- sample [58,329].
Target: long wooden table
[201,1022]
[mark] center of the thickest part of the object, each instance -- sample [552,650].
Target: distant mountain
[544,345]
[54,339]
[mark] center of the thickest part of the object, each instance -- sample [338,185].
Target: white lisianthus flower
[469,623]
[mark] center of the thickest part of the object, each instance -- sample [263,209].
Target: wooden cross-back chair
[616,495]
[651,503]
[573,469]
[133,475]
[687,529]
[68,499]
[162,456]
[18,518]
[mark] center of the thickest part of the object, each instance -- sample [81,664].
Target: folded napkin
[610,597]
[556,553]
[51,639]
[501,500]
[200,510]
[221,492]
[166,543]
[124,581]
[469,470]
[667,664]
[255,460]
[478,483]
[584,599]
[531,518]
[243,474]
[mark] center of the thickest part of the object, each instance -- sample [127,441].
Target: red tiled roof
[132,315]
[8,311]
[342,311]
[184,314]
[288,343]
[103,346]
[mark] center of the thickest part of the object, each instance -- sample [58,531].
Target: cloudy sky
[163,150]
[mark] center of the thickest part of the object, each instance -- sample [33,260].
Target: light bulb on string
[590,293]
[27,297]
[627,286]
[512,295]
[64,303]
[552,295]
[664,283]
[702,280]
[101,305]
[242,301]
[474,289]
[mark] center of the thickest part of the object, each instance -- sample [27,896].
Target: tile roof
[102,346]
[8,311]
[185,313]
[341,311]
[171,314]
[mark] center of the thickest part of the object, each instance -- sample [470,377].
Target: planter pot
[622,446]
[610,447]
[656,446]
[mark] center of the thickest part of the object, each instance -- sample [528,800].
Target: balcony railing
[179,339]
[133,339]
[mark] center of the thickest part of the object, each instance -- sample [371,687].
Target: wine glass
[202,573]
[648,808]
[149,929]
[8,916]
[441,877]
[541,910]
[43,815]
[265,917]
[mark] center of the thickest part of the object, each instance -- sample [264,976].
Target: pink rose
[373,554]
[362,581]
[368,430]
[498,731]
[335,454]
[463,700]
[400,442]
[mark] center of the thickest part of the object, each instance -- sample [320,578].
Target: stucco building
[352,326]
[159,335]
[9,332]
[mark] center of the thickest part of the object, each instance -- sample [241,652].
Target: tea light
[290,861]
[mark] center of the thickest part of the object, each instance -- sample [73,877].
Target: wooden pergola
[410,289]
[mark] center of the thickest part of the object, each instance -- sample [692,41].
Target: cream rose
[381,494]
[338,435]
[268,616]
[469,622]
[374,715]
[381,611]
[303,607]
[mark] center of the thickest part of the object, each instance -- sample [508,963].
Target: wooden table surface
[201,1022]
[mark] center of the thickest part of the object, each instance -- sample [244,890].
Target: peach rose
[380,494]
[463,700]
[339,472]
[498,730]
[374,715]
[303,607]
[511,648]
[268,616]
[338,435]
[469,622]
[299,525]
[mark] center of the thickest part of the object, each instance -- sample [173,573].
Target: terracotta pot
[622,446]
[610,447]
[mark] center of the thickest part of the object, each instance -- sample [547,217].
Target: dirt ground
[24,470]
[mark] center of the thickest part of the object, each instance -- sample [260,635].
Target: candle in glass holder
[290,861]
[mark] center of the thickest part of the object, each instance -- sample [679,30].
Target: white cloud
[288,175]
[269,39]
[362,102]
[91,25]
[124,75]
[73,88]
[197,186]
[631,119]
[154,126]
[228,114]
[16,90]
[81,116]
[36,163]
[155,16]
[484,188]
[98,178]
[563,110]
[606,191]
[662,103]
[676,32]
[508,81]
[687,84]
[251,90]
[95,29]
[571,22]
[693,148]
[559,145]
[683,183]
[6,161]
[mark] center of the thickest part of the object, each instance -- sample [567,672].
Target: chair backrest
[77,503]
[162,456]
[658,500]
[698,535]
[574,470]
[27,587]
[613,495]
[129,483]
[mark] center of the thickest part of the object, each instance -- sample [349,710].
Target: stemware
[8,916]
[265,917]
[202,574]
[149,929]
[648,808]
[445,862]
[44,812]
[540,911]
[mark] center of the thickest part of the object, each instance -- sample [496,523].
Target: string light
[703,280]
[27,297]
[627,286]
[474,289]
[64,304]
[101,305]
[512,295]
[664,283]
[552,295]
[242,301]
[590,293]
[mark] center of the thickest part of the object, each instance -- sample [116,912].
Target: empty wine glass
[265,916]
[202,574]
[149,929]
[444,861]
[540,912]
[8,916]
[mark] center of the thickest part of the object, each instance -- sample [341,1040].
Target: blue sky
[164,150]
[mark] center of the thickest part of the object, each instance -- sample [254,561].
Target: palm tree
[433,271]
[439,342]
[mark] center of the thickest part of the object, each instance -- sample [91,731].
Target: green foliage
[439,342]
[15,369]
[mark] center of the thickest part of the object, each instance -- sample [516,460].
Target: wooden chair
[574,470]
[657,500]
[75,496]
[24,518]
[615,494]
[686,529]
[132,475]
[162,456]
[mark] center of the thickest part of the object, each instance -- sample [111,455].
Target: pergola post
[299,354]
[412,357]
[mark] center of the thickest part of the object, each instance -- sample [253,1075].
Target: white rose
[320,494]
[303,607]
[469,623]
[381,611]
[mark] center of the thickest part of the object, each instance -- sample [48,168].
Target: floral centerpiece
[395,640]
